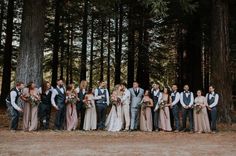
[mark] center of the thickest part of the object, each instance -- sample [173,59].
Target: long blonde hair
[83,84]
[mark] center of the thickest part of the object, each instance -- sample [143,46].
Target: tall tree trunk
[143,55]
[102,50]
[91,53]
[71,53]
[68,51]
[6,78]
[56,47]
[180,57]
[118,41]
[221,77]
[131,44]
[194,52]
[29,64]
[84,43]
[62,62]
[1,22]
[109,55]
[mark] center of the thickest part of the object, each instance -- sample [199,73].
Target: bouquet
[87,103]
[162,106]
[71,99]
[33,100]
[116,101]
[198,108]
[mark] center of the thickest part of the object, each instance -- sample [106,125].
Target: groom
[136,98]
[102,101]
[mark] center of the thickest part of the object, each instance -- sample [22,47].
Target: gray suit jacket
[136,99]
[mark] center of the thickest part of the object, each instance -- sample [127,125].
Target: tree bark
[84,42]
[131,44]
[143,54]
[7,55]
[220,62]
[62,62]
[29,64]
[56,47]
[1,21]
[102,50]
[91,53]
[109,55]
[118,41]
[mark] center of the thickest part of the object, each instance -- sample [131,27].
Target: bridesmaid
[164,115]
[71,113]
[146,114]
[31,100]
[90,119]
[201,121]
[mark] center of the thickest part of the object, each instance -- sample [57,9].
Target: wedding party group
[131,109]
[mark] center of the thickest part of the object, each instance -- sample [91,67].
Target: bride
[114,120]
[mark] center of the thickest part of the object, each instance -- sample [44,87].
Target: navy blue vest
[186,99]
[46,98]
[104,99]
[60,98]
[211,100]
[155,98]
[173,97]
[81,97]
[17,95]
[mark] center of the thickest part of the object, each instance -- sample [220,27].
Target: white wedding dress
[114,121]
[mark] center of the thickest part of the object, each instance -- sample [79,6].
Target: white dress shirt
[187,94]
[13,96]
[209,96]
[78,90]
[54,94]
[100,97]
[126,97]
[177,98]
[155,92]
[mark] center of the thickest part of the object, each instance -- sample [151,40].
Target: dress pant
[175,117]
[134,118]
[60,117]
[126,115]
[101,115]
[81,110]
[155,116]
[15,115]
[188,113]
[213,118]
[44,115]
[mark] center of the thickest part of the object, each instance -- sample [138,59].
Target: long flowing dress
[90,119]
[164,115]
[114,121]
[146,117]
[30,115]
[201,120]
[71,112]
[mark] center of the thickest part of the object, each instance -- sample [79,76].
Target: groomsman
[45,106]
[156,97]
[81,92]
[12,104]
[136,98]
[212,100]
[58,101]
[175,96]
[125,100]
[102,101]
[186,100]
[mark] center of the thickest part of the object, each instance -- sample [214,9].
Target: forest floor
[122,143]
